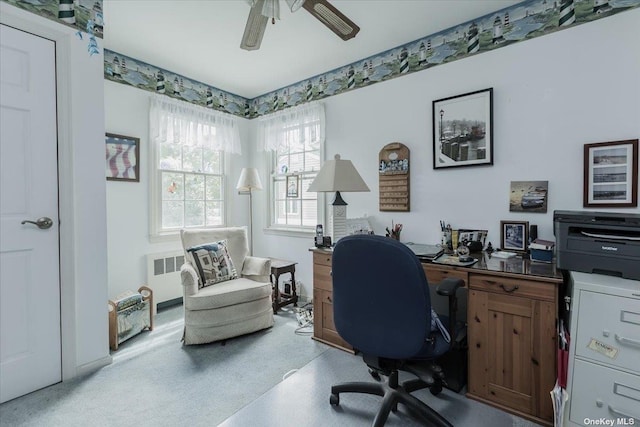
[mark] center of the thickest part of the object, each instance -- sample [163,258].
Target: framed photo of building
[122,157]
[463,130]
[514,235]
[611,174]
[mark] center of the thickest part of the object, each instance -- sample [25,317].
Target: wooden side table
[289,296]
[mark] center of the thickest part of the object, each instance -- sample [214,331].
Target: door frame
[30,23]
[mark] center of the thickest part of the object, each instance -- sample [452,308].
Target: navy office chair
[382,307]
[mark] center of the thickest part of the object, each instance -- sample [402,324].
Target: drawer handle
[614,411]
[628,341]
[515,287]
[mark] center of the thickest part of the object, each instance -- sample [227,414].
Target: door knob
[42,223]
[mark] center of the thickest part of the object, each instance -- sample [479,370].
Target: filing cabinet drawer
[608,330]
[600,392]
[515,287]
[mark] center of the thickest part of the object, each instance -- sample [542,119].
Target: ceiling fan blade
[254,30]
[335,20]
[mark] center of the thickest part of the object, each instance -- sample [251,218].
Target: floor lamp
[249,180]
[338,175]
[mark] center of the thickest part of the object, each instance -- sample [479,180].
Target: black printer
[598,242]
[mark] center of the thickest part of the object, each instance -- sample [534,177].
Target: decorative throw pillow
[213,263]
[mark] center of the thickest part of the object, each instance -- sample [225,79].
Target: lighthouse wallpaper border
[523,21]
[83,15]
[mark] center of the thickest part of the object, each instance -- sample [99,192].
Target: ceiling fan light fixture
[271,9]
[295,4]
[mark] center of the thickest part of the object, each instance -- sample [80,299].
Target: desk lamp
[249,180]
[338,175]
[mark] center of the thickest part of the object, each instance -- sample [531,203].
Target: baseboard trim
[91,367]
[168,303]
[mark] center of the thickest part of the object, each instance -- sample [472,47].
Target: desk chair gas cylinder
[382,307]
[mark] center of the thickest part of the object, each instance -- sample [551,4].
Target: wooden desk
[289,296]
[511,313]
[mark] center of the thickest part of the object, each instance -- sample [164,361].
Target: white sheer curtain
[176,121]
[307,120]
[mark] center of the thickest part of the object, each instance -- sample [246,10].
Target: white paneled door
[30,352]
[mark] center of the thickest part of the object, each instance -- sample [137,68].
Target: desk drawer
[608,330]
[436,274]
[322,277]
[516,287]
[322,259]
[603,393]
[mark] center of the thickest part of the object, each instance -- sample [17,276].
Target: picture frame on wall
[514,235]
[611,174]
[463,130]
[122,158]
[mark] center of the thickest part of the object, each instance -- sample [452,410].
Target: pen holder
[445,240]
[394,235]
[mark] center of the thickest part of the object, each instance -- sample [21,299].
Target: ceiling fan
[325,12]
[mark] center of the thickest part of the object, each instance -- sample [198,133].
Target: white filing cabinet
[604,357]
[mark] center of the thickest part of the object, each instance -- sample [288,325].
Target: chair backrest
[237,242]
[381,303]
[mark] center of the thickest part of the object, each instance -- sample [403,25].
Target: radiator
[163,277]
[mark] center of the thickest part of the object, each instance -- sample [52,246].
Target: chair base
[394,393]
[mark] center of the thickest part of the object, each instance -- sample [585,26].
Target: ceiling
[200,39]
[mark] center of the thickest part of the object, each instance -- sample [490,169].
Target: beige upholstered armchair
[230,307]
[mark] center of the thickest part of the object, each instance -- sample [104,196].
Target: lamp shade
[249,180]
[338,175]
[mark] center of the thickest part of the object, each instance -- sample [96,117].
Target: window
[192,187]
[295,138]
[188,169]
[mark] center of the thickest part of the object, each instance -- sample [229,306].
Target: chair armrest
[255,268]
[189,278]
[449,286]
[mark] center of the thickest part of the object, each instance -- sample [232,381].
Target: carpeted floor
[156,381]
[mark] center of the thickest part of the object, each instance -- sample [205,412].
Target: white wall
[83,238]
[127,113]
[552,95]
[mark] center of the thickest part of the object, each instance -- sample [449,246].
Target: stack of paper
[503,254]
[545,245]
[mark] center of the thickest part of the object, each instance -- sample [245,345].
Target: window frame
[285,229]
[156,233]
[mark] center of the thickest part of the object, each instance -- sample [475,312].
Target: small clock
[463,250]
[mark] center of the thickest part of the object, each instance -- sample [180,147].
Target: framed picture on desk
[514,235]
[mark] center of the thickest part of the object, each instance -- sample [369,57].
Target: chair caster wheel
[374,374]
[435,389]
[334,399]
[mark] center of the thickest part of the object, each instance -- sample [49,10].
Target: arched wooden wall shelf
[393,168]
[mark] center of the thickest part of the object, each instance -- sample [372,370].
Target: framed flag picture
[122,157]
